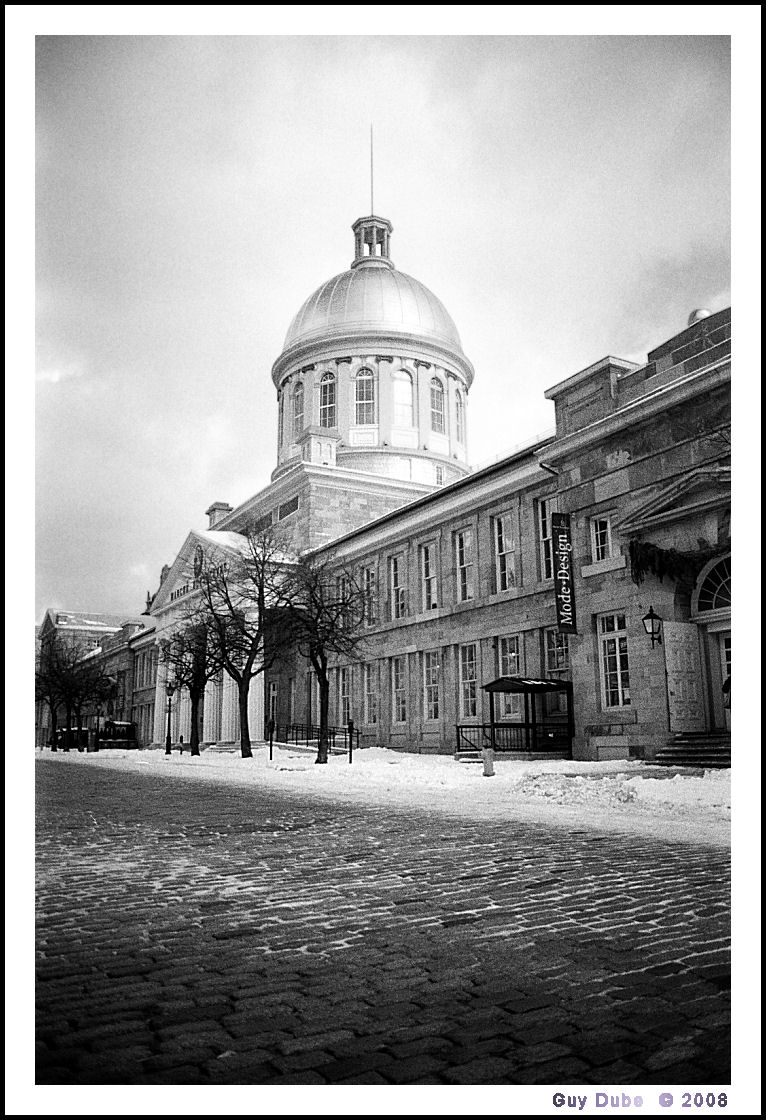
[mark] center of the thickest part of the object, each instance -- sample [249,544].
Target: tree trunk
[324,717]
[243,688]
[194,740]
[68,732]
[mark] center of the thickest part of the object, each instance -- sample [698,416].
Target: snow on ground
[626,797]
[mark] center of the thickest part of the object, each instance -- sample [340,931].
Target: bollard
[350,741]
[489,762]
[271,739]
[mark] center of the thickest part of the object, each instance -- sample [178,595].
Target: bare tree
[239,597]
[192,660]
[325,607]
[67,677]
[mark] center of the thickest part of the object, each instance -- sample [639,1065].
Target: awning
[526,684]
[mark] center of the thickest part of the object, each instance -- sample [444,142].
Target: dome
[373,298]
[700,313]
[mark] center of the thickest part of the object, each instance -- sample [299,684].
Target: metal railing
[307,735]
[510,738]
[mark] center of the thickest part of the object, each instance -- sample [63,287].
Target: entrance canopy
[526,684]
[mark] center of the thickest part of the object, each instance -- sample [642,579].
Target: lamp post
[653,626]
[98,727]
[169,689]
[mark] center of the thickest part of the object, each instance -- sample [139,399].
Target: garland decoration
[646,557]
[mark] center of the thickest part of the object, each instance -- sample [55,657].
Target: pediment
[700,490]
[179,581]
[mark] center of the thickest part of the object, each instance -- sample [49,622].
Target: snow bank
[605,796]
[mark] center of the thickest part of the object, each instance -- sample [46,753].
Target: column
[185,716]
[211,721]
[230,710]
[160,705]
[255,712]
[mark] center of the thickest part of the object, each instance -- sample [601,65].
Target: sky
[566,197]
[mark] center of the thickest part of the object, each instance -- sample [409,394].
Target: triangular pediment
[179,580]
[700,490]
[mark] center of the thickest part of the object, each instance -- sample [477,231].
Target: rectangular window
[511,704]
[468,680]
[464,564]
[398,691]
[600,538]
[545,508]
[371,693]
[287,508]
[365,397]
[431,685]
[505,553]
[344,709]
[369,590]
[556,665]
[397,587]
[428,577]
[613,658]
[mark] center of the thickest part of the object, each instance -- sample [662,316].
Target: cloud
[54,374]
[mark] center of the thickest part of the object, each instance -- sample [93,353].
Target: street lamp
[169,689]
[653,626]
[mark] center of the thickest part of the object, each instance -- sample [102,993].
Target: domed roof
[373,298]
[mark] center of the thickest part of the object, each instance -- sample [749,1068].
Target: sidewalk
[624,797]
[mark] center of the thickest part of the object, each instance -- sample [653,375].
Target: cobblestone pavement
[196,933]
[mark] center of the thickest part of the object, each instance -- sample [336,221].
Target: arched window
[297,410]
[715,588]
[327,411]
[402,399]
[459,417]
[437,406]
[365,397]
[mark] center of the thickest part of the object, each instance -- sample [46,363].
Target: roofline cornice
[642,408]
[369,341]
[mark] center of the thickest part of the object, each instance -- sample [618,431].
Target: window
[342,601]
[286,509]
[371,693]
[468,680]
[613,658]
[505,553]
[344,708]
[431,685]
[398,588]
[297,410]
[464,563]
[556,665]
[509,665]
[369,590]
[545,508]
[600,538]
[403,417]
[459,417]
[327,411]
[365,397]
[437,406]
[398,691]
[428,576]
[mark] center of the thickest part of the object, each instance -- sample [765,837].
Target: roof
[370,298]
[526,684]
[90,620]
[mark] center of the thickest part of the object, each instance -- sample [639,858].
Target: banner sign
[562,573]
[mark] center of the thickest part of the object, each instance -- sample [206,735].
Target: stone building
[371,471]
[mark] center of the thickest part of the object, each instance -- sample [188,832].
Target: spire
[372,240]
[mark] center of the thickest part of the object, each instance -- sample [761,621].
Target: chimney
[217,512]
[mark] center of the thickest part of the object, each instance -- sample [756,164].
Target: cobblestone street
[195,933]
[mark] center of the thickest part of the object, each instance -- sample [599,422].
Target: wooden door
[684,674]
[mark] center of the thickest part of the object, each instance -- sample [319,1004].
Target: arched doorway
[711,610]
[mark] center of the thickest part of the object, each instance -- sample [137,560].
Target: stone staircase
[711,750]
